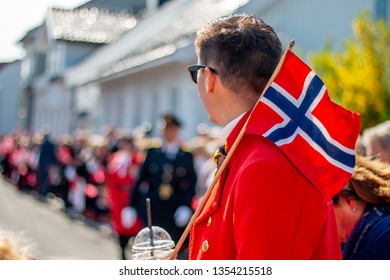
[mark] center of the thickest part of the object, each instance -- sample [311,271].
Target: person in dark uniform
[168,178]
[46,159]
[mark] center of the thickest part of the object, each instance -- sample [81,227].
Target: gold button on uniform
[209,221]
[205,246]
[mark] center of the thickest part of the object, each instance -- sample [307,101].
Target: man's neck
[229,127]
[231,107]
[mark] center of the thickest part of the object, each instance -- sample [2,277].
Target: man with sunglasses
[261,207]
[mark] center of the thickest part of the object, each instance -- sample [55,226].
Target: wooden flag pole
[224,163]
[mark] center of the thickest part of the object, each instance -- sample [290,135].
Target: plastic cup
[160,249]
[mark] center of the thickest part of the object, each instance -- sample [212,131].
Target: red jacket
[263,208]
[120,179]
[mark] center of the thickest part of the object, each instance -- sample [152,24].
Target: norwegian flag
[317,135]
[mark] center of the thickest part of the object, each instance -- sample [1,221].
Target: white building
[10,98]
[66,37]
[144,74]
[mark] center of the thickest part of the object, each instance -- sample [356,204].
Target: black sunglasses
[193,70]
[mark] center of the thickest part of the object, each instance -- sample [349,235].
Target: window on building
[381,9]
[138,109]
[40,64]
[174,101]
[155,109]
[26,69]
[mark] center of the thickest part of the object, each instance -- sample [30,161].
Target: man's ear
[210,80]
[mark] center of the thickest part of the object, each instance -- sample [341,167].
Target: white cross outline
[286,119]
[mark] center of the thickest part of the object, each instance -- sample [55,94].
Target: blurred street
[51,234]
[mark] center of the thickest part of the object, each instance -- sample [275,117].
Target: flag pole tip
[292,43]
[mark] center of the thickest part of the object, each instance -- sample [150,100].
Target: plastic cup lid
[161,240]
[157,245]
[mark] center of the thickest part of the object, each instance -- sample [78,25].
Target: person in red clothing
[122,169]
[262,206]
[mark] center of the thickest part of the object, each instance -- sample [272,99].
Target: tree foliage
[358,76]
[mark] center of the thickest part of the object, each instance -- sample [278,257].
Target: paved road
[52,234]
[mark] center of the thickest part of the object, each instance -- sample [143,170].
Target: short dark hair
[170,120]
[244,49]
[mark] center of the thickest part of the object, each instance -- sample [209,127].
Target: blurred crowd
[93,175]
